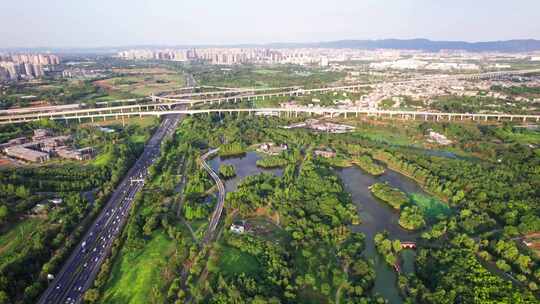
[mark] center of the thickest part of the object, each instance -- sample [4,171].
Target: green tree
[91,295]
[4,212]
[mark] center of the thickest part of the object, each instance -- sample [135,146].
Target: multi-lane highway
[81,268]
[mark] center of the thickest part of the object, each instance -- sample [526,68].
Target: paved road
[216,215]
[190,80]
[221,198]
[80,270]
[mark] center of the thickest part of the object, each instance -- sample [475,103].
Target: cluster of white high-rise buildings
[231,56]
[382,59]
[25,66]
[168,54]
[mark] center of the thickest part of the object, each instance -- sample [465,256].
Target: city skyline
[166,22]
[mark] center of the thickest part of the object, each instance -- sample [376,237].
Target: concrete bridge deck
[157,110]
[162,105]
[233,95]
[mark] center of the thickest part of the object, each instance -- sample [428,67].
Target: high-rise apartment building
[17,66]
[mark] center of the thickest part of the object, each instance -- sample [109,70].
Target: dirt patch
[532,240]
[103,84]
[264,212]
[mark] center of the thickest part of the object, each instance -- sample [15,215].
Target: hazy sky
[30,23]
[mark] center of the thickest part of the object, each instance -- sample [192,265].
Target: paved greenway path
[216,215]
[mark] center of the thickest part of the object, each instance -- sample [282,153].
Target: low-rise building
[330,127]
[438,138]
[42,147]
[40,134]
[26,154]
[70,153]
[238,228]
[326,153]
[272,149]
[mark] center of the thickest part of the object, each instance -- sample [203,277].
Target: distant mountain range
[520,45]
[426,45]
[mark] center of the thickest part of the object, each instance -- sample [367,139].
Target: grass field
[432,207]
[143,85]
[522,137]
[278,76]
[138,139]
[403,135]
[146,71]
[266,71]
[136,276]
[16,238]
[264,228]
[233,262]
[102,159]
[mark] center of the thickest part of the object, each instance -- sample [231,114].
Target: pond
[244,166]
[376,217]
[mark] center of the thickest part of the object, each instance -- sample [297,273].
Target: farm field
[142,85]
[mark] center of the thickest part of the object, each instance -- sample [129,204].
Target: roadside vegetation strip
[13,242]
[131,280]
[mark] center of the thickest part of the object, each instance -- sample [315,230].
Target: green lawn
[233,261]
[519,136]
[136,276]
[16,238]
[102,159]
[264,228]
[387,135]
[138,139]
[431,206]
